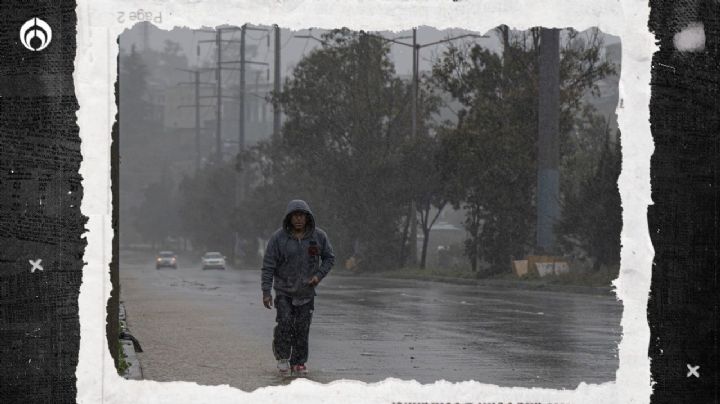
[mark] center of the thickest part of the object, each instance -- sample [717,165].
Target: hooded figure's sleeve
[328,258]
[270,263]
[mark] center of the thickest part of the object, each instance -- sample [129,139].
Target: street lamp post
[414,105]
[413,133]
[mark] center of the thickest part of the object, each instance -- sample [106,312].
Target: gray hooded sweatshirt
[290,263]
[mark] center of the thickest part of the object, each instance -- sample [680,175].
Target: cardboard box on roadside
[561,267]
[520,267]
[533,260]
[544,265]
[545,268]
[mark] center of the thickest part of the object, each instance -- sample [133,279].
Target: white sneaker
[283,366]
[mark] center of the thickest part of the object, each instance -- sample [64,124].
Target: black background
[40,158]
[39,161]
[683,306]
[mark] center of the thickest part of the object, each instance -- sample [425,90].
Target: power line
[305,46]
[197,83]
[286,42]
[258,39]
[219,42]
[276,81]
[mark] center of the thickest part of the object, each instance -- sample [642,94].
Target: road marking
[693,371]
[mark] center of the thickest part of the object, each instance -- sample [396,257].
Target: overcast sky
[293,48]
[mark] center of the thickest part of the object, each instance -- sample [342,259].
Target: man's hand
[267,301]
[314,281]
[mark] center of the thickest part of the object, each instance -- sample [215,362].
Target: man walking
[298,256]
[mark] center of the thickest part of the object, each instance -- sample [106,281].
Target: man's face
[298,220]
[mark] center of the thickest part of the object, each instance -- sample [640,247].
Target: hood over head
[299,205]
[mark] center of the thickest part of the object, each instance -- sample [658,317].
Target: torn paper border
[96,66]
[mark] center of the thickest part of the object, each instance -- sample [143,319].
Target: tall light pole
[414,112]
[412,215]
[241,93]
[276,86]
[413,133]
[218,93]
[548,189]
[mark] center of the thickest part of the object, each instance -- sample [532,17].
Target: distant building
[443,237]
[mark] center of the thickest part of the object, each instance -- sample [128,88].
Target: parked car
[166,259]
[213,260]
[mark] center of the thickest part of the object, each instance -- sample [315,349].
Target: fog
[347,146]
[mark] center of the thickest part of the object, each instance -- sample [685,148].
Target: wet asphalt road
[210,327]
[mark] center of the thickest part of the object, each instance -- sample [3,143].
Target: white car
[213,260]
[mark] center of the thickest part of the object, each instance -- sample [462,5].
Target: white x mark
[36,265]
[693,371]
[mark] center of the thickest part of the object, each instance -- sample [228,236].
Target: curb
[134,370]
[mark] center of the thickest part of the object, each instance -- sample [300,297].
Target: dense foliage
[346,148]
[495,138]
[343,148]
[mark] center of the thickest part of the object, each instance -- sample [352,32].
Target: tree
[593,216]
[171,48]
[146,150]
[134,107]
[207,215]
[423,175]
[341,145]
[584,148]
[428,182]
[155,217]
[495,137]
[492,144]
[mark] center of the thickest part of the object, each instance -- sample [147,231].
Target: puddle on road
[192,285]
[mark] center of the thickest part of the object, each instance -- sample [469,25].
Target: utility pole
[218,77]
[414,111]
[239,194]
[240,175]
[412,215]
[413,134]
[241,91]
[548,194]
[276,87]
[146,35]
[240,187]
[196,105]
[258,110]
[197,122]
[239,179]
[414,82]
[218,95]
